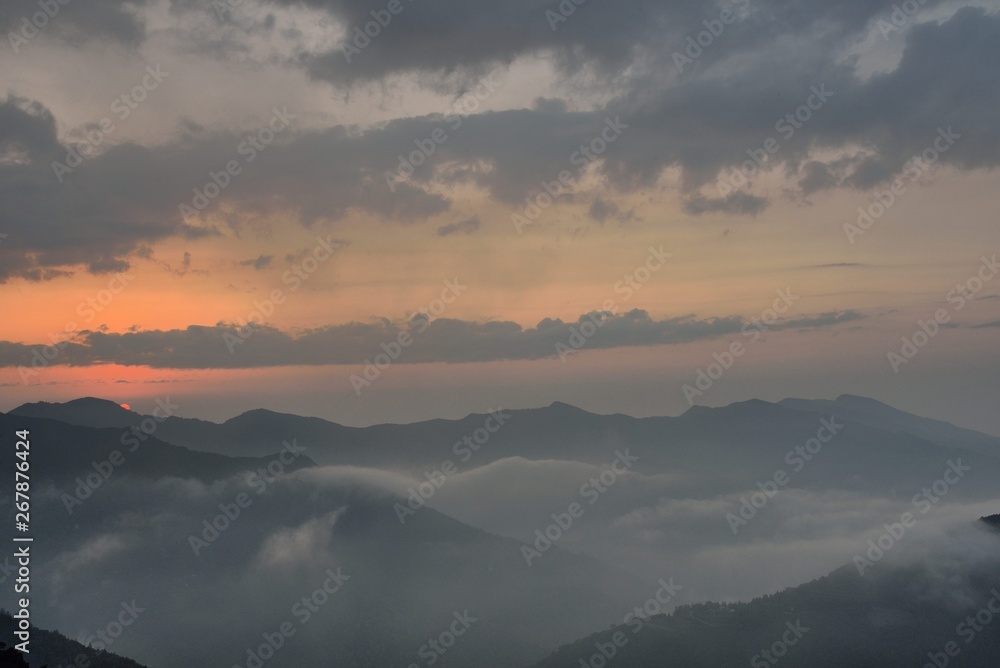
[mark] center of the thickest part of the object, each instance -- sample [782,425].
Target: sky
[430,209]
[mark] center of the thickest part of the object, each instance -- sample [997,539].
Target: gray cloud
[705,125]
[971,325]
[26,128]
[893,115]
[442,340]
[111,206]
[467,226]
[602,210]
[259,263]
[75,22]
[815,176]
[446,37]
[115,203]
[736,203]
[452,37]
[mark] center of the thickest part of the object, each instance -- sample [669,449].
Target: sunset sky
[365,183]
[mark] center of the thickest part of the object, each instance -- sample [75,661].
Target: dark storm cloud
[26,128]
[448,37]
[442,340]
[103,210]
[73,22]
[110,207]
[445,37]
[899,114]
[709,124]
[95,222]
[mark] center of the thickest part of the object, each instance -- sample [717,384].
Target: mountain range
[470,525]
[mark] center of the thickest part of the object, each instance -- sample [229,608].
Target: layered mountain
[224,552]
[721,448]
[939,610]
[523,529]
[63,451]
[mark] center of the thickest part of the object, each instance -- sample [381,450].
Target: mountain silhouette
[894,617]
[51,649]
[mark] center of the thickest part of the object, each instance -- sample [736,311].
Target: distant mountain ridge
[260,431]
[877,414]
[70,450]
[719,448]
